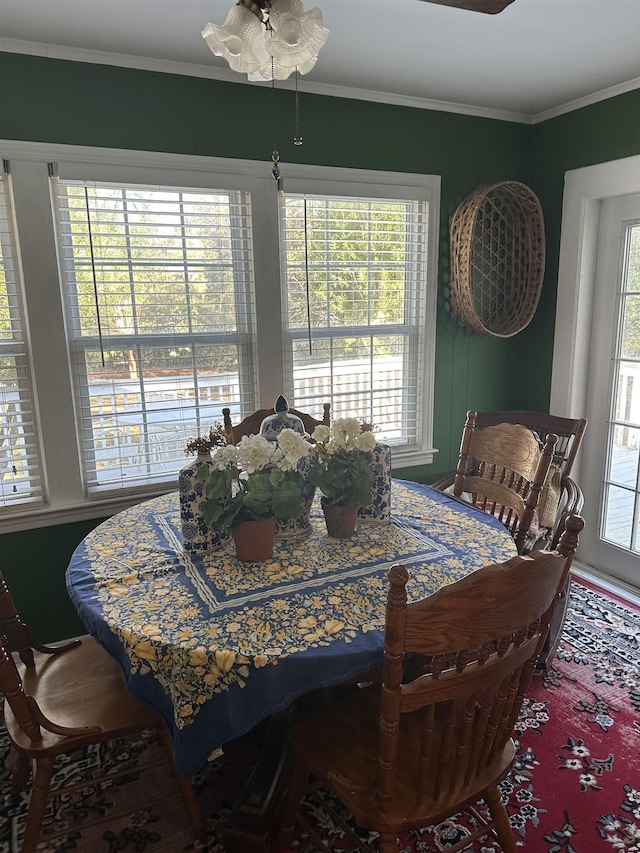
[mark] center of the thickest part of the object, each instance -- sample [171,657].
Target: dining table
[216,645]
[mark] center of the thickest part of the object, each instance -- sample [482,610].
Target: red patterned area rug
[575,787]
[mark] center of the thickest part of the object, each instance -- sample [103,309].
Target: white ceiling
[535,59]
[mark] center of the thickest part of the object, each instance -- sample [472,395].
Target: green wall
[34,563]
[609,130]
[83,104]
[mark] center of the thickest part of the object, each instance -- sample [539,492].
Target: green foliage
[140,240]
[353,264]
[631,301]
[357,253]
[344,477]
[262,494]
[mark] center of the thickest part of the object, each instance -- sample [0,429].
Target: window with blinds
[159,302]
[354,270]
[20,477]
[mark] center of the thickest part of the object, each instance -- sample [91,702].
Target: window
[621,511]
[159,305]
[597,289]
[355,295]
[20,480]
[161,288]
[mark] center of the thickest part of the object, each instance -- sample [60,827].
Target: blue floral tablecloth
[216,645]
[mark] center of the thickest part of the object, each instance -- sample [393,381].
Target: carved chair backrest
[570,431]
[481,638]
[503,470]
[251,424]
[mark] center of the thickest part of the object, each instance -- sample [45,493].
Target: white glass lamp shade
[297,36]
[240,40]
[280,72]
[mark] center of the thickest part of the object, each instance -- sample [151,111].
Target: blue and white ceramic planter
[379,510]
[298,528]
[197,536]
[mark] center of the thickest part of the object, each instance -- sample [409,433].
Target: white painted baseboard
[608,583]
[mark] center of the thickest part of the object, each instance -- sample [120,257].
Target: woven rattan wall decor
[497,259]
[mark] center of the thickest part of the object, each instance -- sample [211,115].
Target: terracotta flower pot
[254,539]
[340,519]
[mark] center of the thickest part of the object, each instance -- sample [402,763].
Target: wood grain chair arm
[444,482]
[571,503]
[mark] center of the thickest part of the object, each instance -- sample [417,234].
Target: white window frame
[156,465]
[585,190]
[36,229]
[21,495]
[368,184]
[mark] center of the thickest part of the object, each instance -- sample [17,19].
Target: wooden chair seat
[78,690]
[61,699]
[433,739]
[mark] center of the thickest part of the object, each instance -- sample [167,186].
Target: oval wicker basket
[497,258]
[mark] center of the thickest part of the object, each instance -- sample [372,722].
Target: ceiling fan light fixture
[295,36]
[240,40]
[268,39]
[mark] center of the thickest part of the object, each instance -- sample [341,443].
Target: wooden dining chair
[561,496]
[413,752]
[502,470]
[251,424]
[63,698]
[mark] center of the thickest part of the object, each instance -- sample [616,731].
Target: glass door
[611,458]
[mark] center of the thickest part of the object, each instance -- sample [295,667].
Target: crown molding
[186,69]
[602,95]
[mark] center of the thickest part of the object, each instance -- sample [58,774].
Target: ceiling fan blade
[490,7]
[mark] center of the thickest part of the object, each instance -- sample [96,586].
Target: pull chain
[275,157]
[306,274]
[297,139]
[93,273]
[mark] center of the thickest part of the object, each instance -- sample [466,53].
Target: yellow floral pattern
[205,626]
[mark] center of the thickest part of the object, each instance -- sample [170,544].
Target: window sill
[49,516]
[411,458]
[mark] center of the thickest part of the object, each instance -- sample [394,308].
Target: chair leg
[501,819]
[191,804]
[19,765]
[388,843]
[39,796]
[291,805]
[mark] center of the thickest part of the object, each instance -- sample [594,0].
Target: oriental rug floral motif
[575,785]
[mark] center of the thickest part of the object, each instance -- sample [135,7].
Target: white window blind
[158,291]
[354,270]
[20,478]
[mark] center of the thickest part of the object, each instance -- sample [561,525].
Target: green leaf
[276,476]
[287,501]
[218,485]
[222,515]
[345,477]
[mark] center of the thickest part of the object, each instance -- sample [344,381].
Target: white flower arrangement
[343,474]
[264,474]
